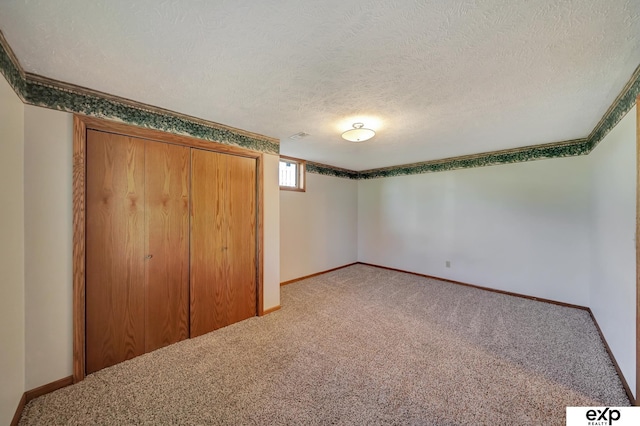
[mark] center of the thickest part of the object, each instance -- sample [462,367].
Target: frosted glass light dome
[358,133]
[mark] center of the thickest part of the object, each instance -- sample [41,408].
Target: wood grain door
[241,302]
[223,246]
[137,235]
[167,244]
[115,297]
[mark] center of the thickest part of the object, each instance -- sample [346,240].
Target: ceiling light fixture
[358,133]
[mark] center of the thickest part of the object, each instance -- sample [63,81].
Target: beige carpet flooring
[360,345]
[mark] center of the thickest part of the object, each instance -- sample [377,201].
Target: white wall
[520,227]
[49,219]
[613,221]
[48,244]
[543,228]
[271,217]
[12,326]
[318,228]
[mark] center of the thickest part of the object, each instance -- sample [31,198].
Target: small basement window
[292,174]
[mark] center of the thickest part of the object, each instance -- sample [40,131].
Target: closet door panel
[208,241]
[114,249]
[241,239]
[167,253]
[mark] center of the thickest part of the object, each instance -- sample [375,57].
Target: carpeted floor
[360,345]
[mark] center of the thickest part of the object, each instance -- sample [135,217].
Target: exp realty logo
[603,416]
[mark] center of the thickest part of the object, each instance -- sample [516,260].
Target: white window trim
[302,174]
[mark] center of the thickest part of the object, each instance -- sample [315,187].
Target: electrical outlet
[447,264]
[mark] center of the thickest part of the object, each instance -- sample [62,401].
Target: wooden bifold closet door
[137,247]
[223,240]
[167,237]
[171,248]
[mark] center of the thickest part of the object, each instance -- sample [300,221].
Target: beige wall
[613,224]
[271,237]
[48,244]
[318,228]
[542,204]
[48,219]
[519,227]
[12,325]
[562,229]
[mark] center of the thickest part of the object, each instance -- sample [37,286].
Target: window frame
[302,174]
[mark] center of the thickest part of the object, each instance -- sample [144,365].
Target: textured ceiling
[435,78]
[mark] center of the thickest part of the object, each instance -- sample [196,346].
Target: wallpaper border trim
[48,93]
[618,109]
[571,148]
[11,69]
[508,156]
[324,169]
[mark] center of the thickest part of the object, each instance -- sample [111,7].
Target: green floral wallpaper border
[40,91]
[323,169]
[50,96]
[555,150]
[620,107]
[11,69]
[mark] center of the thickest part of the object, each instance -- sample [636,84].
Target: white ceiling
[434,78]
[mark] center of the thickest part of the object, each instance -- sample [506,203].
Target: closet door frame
[81,124]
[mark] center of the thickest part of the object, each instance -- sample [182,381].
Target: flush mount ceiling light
[358,133]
